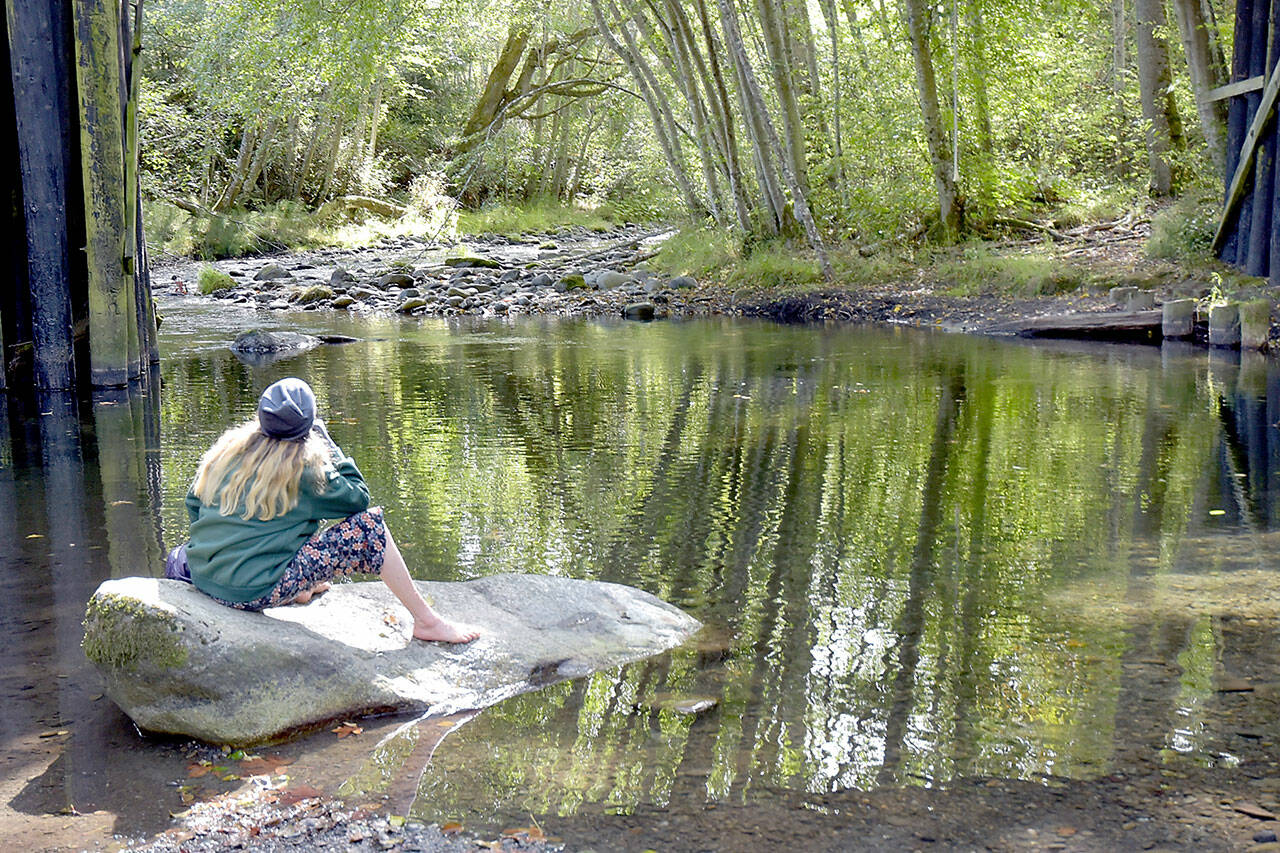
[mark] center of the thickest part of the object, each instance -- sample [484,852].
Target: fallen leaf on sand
[347,729]
[263,765]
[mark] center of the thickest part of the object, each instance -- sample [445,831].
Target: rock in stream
[178,662]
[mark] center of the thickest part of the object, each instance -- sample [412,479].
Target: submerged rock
[262,341]
[178,662]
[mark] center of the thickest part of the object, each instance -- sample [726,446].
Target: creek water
[919,557]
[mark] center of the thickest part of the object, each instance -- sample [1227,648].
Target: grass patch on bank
[710,254]
[789,266]
[539,216]
[286,226]
[980,271]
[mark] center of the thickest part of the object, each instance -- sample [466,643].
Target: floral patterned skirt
[355,544]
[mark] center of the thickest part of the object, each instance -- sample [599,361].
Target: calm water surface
[919,557]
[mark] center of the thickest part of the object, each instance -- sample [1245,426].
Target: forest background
[788,138]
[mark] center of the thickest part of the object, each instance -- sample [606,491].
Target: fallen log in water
[1103,325]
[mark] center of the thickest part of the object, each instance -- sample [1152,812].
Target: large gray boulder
[177,662]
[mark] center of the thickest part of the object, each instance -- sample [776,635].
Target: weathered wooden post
[1224,326]
[1177,319]
[98,78]
[1255,323]
[40,68]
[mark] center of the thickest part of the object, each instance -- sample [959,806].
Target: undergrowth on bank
[538,216]
[787,265]
[289,226]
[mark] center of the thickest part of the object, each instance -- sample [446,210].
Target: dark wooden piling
[1237,121]
[79,310]
[1258,260]
[39,74]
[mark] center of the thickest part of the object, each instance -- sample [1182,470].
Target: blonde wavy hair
[247,464]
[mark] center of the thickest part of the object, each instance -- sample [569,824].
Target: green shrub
[1184,230]
[211,279]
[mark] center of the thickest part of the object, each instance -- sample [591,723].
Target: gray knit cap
[287,409]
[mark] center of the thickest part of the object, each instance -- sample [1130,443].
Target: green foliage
[212,280]
[283,226]
[981,271]
[540,215]
[1184,230]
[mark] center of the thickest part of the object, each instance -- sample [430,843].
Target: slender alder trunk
[248,142]
[308,159]
[1119,51]
[659,112]
[42,99]
[1159,112]
[1237,115]
[952,217]
[670,51]
[98,72]
[331,161]
[266,144]
[978,74]
[1205,76]
[724,118]
[833,33]
[781,68]
[375,115]
[733,37]
[763,156]
[711,136]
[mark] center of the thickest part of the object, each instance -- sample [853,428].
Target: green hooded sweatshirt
[238,559]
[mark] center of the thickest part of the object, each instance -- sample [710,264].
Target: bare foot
[306,595]
[445,631]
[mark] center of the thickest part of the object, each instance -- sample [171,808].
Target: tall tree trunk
[724,118]
[41,98]
[659,110]
[738,51]
[1205,76]
[1160,113]
[782,69]
[833,33]
[248,143]
[98,74]
[375,115]
[944,178]
[331,159]
[978,75]
[308,159]
[486,110]
[1119,51]
[669,48]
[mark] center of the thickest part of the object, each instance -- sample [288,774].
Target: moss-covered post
[41,95]
[98,78]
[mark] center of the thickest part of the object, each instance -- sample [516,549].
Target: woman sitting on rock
[256,505]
